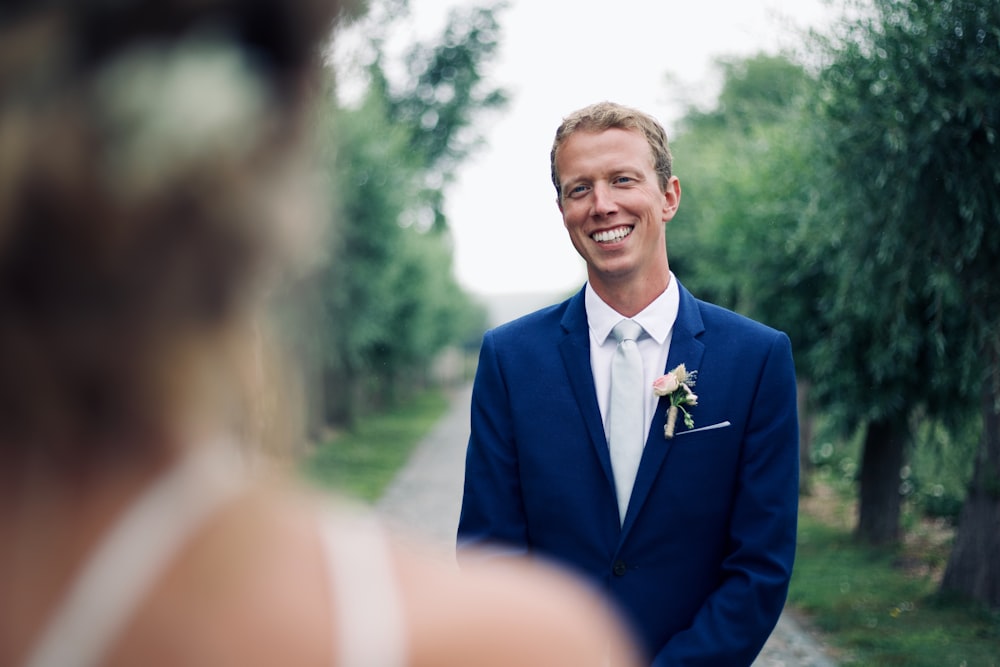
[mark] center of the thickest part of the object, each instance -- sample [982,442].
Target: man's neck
[631,297]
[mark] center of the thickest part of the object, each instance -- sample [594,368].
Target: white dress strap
[363,589]
[132,555]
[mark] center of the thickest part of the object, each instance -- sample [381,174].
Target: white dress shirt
[657,320]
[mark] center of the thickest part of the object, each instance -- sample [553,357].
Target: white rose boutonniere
[676,385]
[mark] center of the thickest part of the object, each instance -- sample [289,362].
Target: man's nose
[603,200]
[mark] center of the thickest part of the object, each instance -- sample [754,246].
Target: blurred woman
[152,196]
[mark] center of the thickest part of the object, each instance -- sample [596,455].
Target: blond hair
[606,115]
[149,155]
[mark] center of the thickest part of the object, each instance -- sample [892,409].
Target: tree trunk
[806,430]
[340,398]
[879,504]
[973,568]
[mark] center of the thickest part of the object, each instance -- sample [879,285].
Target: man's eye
[578,190]
[623,179]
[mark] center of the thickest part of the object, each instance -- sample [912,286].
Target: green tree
[444,91]
[746,169]
[388,297]
[910,98]
[372,181]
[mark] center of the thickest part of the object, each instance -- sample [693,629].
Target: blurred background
[841,177]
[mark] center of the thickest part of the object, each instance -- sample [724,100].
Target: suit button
[619,568]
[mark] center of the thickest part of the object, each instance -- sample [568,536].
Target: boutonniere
[676,385]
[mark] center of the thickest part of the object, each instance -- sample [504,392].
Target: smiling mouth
[612,235]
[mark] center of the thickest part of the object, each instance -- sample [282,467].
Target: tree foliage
[910,106]
[857,210]
[809,205]
[387,298]
[745,167]
[904,154]
[443,92]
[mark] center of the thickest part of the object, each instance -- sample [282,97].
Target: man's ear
[671,198]
[559,203]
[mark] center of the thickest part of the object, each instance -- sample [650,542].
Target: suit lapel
[575,351]
[685,348]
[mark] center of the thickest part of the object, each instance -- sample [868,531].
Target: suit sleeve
[734,622]
[492,511]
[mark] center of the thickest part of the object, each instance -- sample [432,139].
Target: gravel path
[425,497]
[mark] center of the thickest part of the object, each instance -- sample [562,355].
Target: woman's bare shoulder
[249,589]
[507,613]
[254,589]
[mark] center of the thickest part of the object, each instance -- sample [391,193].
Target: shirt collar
[657,319]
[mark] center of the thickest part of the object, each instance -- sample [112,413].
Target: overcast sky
[557,56]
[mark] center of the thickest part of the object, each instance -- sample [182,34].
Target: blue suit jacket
[700,567]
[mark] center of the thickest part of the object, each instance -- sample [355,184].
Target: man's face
[613,207]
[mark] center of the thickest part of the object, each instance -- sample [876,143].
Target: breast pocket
[701,468]
[700,429]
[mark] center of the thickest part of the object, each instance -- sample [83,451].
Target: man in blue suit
[696,543]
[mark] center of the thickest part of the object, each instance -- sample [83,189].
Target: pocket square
[711,427]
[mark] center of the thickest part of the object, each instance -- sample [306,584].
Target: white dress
[140,546]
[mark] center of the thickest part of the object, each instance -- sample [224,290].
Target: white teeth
[616,234]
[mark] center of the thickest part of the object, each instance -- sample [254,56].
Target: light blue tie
[626,427]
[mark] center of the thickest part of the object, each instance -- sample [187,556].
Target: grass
[881,606]
[362,462]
